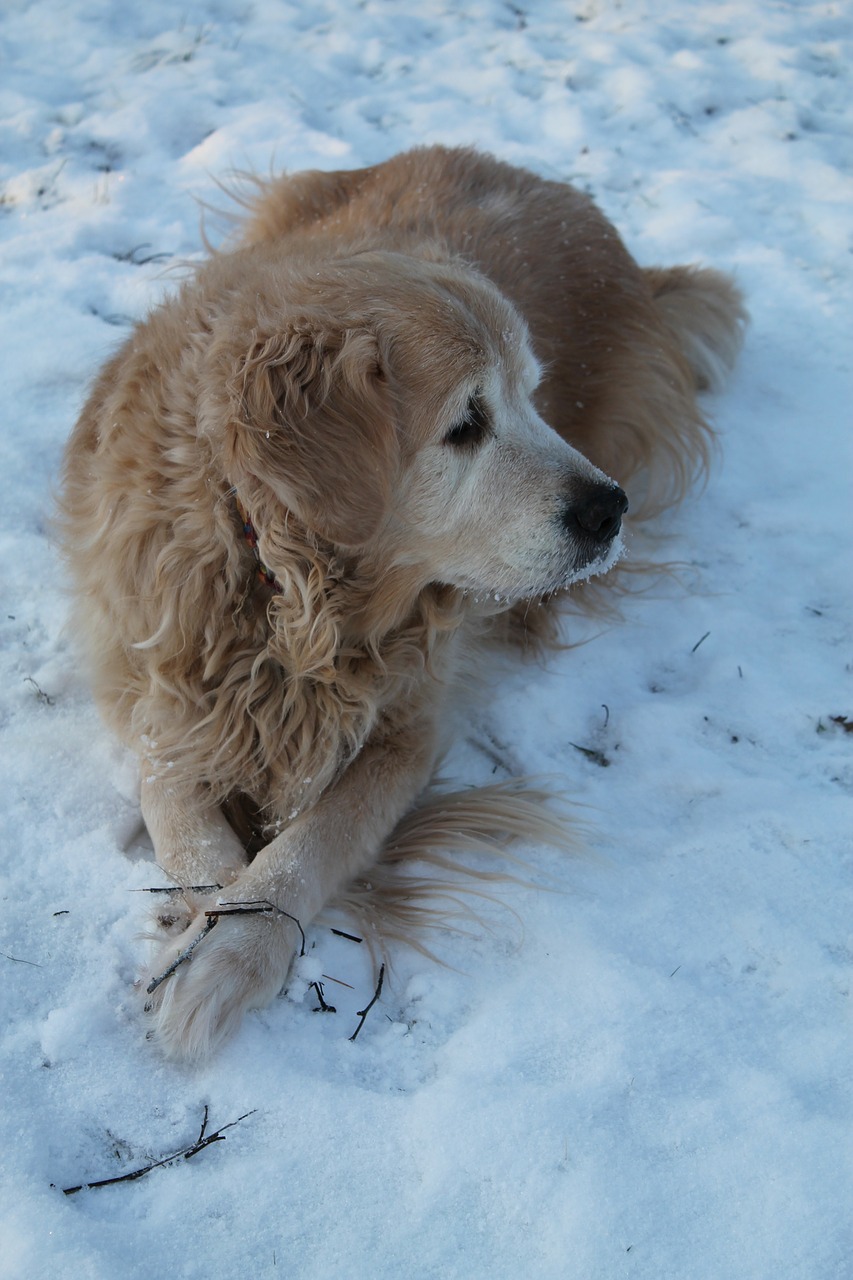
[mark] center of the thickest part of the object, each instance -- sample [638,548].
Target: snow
[647,1071]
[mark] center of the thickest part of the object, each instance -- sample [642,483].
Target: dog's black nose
[598,512]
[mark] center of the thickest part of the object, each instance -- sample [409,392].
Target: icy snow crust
[650,1076]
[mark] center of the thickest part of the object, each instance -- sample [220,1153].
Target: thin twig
[186,1154]
[339,981]
[362,1013]
[256,907]
[185,955]
[597,757]
[40,693]
[18,960]
[181,888]
[130,255]
[323,1006]
[350,937]
[701,640]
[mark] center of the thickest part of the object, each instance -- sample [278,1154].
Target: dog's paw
[174,911]
[206,978]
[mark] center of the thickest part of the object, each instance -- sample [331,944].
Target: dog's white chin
[572,576]
[603,564]
[493,600]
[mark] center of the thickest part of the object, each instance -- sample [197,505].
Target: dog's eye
[473,428]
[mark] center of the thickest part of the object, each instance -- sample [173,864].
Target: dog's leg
[243,961]
[193,844]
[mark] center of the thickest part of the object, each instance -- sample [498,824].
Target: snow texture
[648,1073]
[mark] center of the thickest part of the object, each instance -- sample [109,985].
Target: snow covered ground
[650,1074]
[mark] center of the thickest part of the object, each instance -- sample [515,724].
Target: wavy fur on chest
[222,680]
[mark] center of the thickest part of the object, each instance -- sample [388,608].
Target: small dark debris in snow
[116,319]
[701,640]
[844,722]
[40,693]
[339,933]
[323,1006]
[17,960]
[137,258]
[597,757]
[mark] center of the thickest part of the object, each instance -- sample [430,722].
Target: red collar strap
[265,574]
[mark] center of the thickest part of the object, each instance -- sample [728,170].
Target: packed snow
[639,1064]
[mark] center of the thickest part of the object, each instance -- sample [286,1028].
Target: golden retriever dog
[407,403]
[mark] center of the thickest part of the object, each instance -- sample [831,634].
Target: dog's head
[391,412]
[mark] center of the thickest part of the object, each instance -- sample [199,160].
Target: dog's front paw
[175,909]
[206,978]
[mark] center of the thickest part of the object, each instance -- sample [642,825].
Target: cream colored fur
[416,379]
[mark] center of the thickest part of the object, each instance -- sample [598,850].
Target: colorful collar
[265,574]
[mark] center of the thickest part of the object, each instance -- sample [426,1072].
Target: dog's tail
[443,856]
[704,309]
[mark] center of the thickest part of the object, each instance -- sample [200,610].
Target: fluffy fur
[416,379]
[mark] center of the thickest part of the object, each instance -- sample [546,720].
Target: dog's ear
[315,423]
